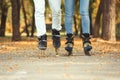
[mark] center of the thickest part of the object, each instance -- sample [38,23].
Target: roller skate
[42,44]
[56,40]
[69,44]
[86,44]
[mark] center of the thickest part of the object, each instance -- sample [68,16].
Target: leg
[40,23]
[39,17]
[69,11]
[69,44]
[84,11]
[56,23]
[55,6]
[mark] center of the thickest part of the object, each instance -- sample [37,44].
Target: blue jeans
[84,12]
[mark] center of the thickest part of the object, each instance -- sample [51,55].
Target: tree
[25,18]
[16,20]
[33,20]
[108,20]
[28,13]
[118,11]
[1,2]
[4,10]
[98,20]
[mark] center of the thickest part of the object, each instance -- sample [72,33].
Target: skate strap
[87,44]
[70,40]
[56,35]
[69,44]
[44,40]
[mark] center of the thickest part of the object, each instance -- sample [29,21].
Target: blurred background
[17,19]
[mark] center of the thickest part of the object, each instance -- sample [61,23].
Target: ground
[22,61]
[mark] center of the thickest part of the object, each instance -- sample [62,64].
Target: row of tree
[17,6]
[106,11]
[102,26]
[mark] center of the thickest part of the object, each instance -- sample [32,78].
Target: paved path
[19,61]
[59,68]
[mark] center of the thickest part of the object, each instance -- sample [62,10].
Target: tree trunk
[33,26]
[3,20]
[1,3]
[16,20]
[33,22]
[25,19]
[75,26]
[90,15]
[108,24]
[91,22]
[97,20]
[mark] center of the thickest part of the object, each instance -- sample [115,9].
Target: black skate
[42,44]
[69,44]
[86,44]
[56,40]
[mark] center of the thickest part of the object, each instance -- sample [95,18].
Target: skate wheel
[87,53]
[57,51]
[87,50]
[69,53]
[42,53]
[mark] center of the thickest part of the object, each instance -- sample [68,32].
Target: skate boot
[86,44]
[56,40]
[69,44]
[42,44]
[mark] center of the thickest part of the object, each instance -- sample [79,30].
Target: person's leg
[55,6]
[69,12]
[39,17]
[40,23]
[84,11]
